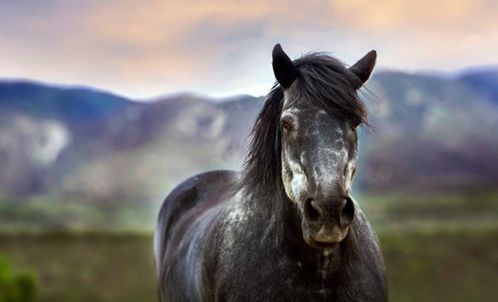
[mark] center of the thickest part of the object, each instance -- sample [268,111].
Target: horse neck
[270,207]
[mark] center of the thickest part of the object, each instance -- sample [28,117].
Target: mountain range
[428,133]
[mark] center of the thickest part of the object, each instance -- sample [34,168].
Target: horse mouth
[326,243]
[321,245]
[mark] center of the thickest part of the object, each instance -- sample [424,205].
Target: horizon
[451,74]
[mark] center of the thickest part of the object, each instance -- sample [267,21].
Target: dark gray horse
[286,228]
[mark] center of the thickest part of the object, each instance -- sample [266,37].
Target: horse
[286,227]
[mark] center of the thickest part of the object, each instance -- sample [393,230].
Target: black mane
[323,81]
[262,166]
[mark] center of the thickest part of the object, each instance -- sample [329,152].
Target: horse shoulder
[183,216]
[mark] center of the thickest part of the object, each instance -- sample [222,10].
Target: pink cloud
[151,47]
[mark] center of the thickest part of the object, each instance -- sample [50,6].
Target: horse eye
[286,126]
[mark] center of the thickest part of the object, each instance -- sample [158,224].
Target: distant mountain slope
[70,104]
[482,80]
[431,133]
[97,146]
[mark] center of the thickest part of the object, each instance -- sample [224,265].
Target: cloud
[149,47]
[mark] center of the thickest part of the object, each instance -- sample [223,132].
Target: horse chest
[265,284]
[261,274]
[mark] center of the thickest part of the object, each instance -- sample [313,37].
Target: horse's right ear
[283,68]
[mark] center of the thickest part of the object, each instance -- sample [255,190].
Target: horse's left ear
[364,67]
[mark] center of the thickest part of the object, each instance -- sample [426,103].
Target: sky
[148,48]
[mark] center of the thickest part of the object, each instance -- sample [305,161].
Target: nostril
[309,210]
[347,213]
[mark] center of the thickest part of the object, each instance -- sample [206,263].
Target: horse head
[318,140]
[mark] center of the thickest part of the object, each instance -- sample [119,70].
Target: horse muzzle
[325,224]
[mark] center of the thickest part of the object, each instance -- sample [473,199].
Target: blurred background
[106,105]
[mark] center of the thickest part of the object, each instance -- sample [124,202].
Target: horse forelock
[325,81]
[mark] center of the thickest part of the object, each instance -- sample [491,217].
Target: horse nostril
[347,213]
[310,212]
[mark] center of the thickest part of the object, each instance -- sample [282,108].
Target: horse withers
[286,228]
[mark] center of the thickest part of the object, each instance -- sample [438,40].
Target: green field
[437,265]
[85,267]
[437,246]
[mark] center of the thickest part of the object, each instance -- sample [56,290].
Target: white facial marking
[349,173]
[329,171]
[294,179]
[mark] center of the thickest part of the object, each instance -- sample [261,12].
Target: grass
[38,215]
[442,265]
[85,267]
[437,246]
[419,210]
[437,265]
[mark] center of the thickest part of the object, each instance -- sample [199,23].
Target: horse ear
[363,68]
[283,68]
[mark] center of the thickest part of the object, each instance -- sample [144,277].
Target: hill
[73,152]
